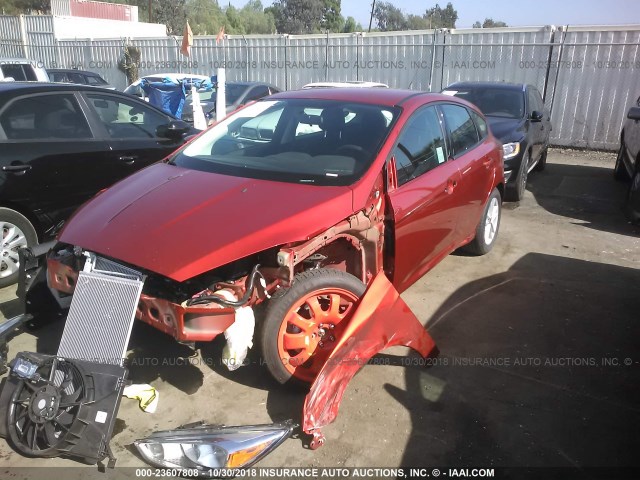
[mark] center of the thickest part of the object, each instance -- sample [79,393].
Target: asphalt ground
[539,362]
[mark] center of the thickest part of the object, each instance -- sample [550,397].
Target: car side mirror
[634,113]
[536,116]
[175,130]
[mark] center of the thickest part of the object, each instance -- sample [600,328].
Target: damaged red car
[296,202]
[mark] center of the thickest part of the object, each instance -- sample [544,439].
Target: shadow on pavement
[539,367]
[587,194]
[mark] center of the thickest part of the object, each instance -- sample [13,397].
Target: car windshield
[233,91]
[493,102]
[320,142]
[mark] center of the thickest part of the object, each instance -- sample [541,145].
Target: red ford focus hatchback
[297,201]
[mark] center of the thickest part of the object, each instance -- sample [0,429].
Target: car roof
[374,96]
[16,60]
[498,85]
[349,84]
[72,70]
[37,87]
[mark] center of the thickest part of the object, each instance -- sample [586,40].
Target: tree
[332,19]
[350,26]
[476,25]
[491,23]
[205,17]
[172,13]
[256,19]
[438,17]
[389,17]
[298,16]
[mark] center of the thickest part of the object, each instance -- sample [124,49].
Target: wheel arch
[25,212]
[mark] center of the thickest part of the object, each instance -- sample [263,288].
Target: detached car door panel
[424,203]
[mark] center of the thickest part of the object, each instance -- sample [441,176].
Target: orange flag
[220,35]
[187,41]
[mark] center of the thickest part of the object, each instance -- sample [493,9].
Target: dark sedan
[80,77]
[61,144]
[518,118]
[627,164]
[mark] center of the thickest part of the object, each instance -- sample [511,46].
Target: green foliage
[442,17]
[491,23]
[391,18]
[351,26]
[332,19]
[129,62]
[17,7]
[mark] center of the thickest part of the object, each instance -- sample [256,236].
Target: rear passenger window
[463,132]
[45,117]
[19,72]
[421,146]
[481,125]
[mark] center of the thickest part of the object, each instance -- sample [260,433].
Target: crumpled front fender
[382,320]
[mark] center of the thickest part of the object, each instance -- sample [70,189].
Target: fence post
[326,59]
[565,28]
[23,37]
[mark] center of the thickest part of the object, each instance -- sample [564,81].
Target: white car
[353,84]
[22,70]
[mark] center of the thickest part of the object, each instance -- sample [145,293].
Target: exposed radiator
[102,312]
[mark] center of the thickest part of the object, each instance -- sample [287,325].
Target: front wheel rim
[13,239]
[311,328]
[491,221]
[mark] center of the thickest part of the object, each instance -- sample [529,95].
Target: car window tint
[58,77]
[126,119]
[257,93]
[91,80]
[481,125]
[421,146]
[45,117]
[19,72]
[76,78]
[463,132]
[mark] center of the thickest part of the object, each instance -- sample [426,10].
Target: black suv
[61,144]
[628,159]
[518,118]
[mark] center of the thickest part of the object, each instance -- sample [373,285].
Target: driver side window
[421,146]
[124,118]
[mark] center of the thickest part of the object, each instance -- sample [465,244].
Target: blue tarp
[169,95]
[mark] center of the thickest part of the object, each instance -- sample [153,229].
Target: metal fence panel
[497,55]
[597,82]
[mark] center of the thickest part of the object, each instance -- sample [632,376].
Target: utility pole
[373,6]
[150,11]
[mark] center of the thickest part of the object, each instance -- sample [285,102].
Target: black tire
[9,255]
[542,163]
[515,192]
[304,284]
[481,245]
[619,171]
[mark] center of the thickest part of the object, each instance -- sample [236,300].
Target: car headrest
[332,119]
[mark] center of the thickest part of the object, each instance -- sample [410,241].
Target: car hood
[507,129]
[181,223]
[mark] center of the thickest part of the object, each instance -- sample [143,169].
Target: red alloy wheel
[311,328]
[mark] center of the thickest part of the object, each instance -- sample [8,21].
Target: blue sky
[514,12]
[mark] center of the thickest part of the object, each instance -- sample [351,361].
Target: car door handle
[128,159]
[20,168]
[451,185]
